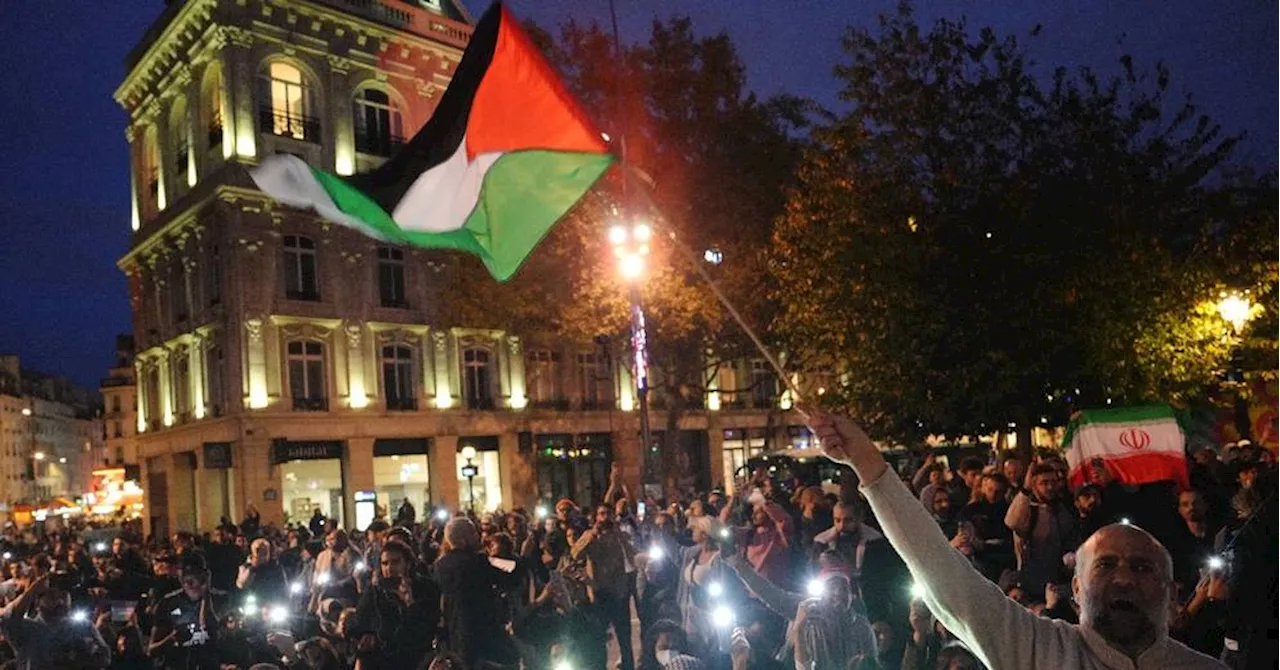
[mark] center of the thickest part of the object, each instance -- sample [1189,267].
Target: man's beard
[1123,622]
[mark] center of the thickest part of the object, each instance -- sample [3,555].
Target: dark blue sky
[64,206]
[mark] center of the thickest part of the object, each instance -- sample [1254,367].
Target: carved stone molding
[513,345]
[253,328]
[238,36]
[340,64]
[440,341]
[353,331]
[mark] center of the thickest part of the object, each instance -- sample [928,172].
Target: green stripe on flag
[1093,417]
[523,195]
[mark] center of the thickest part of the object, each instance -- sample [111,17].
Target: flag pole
[733,311]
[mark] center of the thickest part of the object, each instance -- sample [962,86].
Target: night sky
[64,205]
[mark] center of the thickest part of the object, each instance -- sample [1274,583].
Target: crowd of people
[778,574]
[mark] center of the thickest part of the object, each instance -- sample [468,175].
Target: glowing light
[80,616]
[988,236]
[250,600]
[278,614]
[295,587]
[1235,310]
[469,453]
[617,235]
[605,137]
[541,512]
[724,533]
[816,588]
[1125,521]
[322,578]
[100,547]
[917,590]
[7,555]
[642,232]
[62,459]
[361,566]
[442,515]
[565,665]
[631,266]
[39,455]
[519,401]
[26,411]
[722,617]
[715,589]
[656,553]
[1216,563]
[713,256]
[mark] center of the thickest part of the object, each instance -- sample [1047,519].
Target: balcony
[483,404]
[311,404]
[402,404]
[284,124]
[560,405]
[378,143]
[595,405]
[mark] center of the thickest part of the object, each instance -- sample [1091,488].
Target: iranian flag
[1138,445]
[506,154]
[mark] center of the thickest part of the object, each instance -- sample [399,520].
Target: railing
[402,404]
[311,404]
[378,144]
[284,124]
[596,405]
[561,405]
[479,403]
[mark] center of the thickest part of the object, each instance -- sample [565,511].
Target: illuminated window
[542,377]
[593,381]
[286,106]
[211,109]
[306,376]
[477,378]
[150,172]
[182,385]
[300,268]
[179,140]
[379,123]
[482,491]
[397,377]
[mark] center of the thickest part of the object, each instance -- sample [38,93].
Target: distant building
[120,409]
[50,434]
[288,363]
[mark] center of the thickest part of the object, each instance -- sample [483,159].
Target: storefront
[573,466]
[479,473]
[217,481]
[740,446]
[311,477]
[400,473]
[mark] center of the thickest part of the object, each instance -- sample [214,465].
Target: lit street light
[39,455]
[630,246]
[470,471]
[1235,310]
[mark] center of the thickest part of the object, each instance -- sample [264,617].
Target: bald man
[1123,583]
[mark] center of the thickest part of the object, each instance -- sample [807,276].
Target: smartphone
[122,610]
[640,510]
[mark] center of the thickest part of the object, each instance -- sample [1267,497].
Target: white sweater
[1003,634]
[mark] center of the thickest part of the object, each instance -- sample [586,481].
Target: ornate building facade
[292,365]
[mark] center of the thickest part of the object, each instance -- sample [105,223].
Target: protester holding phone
[395,620]
[188,621]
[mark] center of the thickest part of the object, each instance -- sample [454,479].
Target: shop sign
[283,451]
[217,455]
[270,495]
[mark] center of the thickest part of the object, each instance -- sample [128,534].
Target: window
[182,385]
[397,377]
[115,403]
[117,430]
[300,268]
[306,376]
[593,381]
[149,179]
[211,106]
[477,378]
[213,277]
[391,277]
[542,377]
[764,385]
[482,491]
[179,134]
[741,445]
[286,105]
[214,377]
[178,302]
[379,124]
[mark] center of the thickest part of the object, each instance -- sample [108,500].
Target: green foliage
[978,248]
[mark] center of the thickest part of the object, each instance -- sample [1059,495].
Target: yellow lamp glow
[1235,310]
[631,266]
[617,235]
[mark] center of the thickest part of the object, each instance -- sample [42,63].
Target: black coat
[472,608]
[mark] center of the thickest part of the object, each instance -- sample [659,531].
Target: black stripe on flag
[440,137]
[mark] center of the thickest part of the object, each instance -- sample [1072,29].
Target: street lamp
[1235,310]
[39,455]
[630,246]
[470,471]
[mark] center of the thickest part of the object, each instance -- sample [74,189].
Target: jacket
[1000,632]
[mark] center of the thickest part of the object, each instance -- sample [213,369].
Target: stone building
[290,364]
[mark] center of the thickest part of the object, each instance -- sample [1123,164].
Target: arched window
[379,123]
[180,142]
[149,172]
[211,108]
[477,378]
[286,104]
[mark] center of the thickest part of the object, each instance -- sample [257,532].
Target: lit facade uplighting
[39,455]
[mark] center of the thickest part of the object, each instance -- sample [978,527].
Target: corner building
[290,364]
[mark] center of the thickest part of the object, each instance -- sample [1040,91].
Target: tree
[708,162]
[978,249]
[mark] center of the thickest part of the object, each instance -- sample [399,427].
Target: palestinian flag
[1138,445]
[505,155]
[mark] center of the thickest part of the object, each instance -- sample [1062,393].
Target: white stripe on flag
[1120,440]
[289,180]
[441,199]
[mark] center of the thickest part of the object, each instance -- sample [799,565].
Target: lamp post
[1237,309]
[470,471]
[630,247]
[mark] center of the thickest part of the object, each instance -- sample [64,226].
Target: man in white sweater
[1123,583]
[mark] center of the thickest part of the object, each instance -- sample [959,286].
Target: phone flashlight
[722,617]
[1125,521]
[80,616]
[295,587]
[322,578]
[715,589]
[816,588]
[442,514]
[541,512]
[1216,563]
[655,553]
[361,567]
[100,547]
[917,591]
[278,614]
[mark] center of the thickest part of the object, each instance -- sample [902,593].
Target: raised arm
[998,630]
[783,603]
